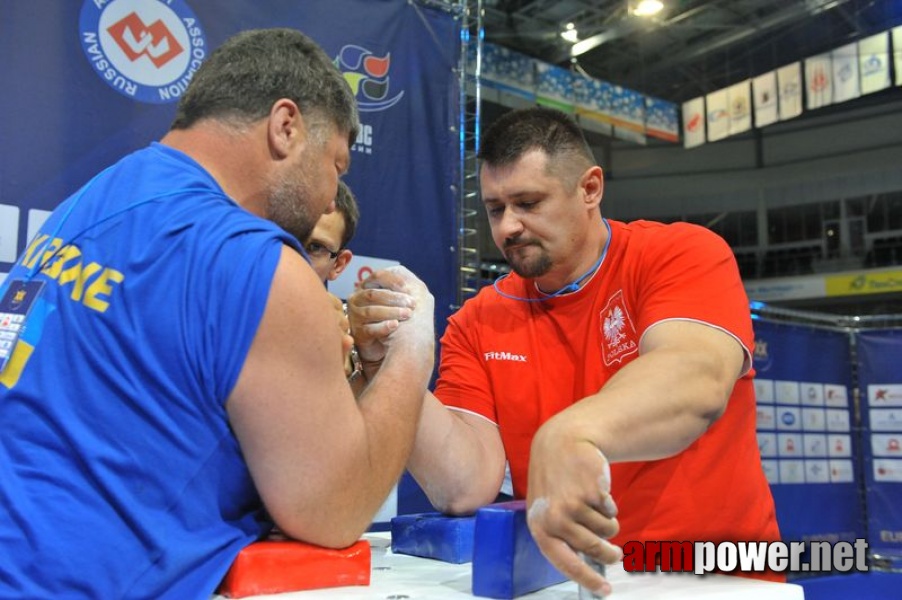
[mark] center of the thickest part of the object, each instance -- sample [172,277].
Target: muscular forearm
[654,407]
[390,405]
[356,469]
[457,459]
[322,462]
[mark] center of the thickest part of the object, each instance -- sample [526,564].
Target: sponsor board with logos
[807,431]
[885,430]
[804,432]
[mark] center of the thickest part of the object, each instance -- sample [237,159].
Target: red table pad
[276,566]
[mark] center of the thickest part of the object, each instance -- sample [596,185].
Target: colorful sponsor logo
[694,123]
[872,65]
[717,114]
[146,50]
[369,78]
[739,108]
[845,73]
[819,81]
[885,394]
[790,88]
[872,283]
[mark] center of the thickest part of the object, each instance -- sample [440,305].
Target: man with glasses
[327,244]
[335,230]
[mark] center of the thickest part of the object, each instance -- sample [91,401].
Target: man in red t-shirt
[612,369]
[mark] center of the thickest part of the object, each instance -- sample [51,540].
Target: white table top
[402,577]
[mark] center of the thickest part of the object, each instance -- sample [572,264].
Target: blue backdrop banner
[806,430]
[88,81]
[880,380]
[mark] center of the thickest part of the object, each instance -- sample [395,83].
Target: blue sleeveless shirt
[119,474]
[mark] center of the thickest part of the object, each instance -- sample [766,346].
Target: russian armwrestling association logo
[146,50]
[368,76]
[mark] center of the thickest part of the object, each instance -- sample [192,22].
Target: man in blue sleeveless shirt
[176,384]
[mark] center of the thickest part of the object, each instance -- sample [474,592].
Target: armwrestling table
[402,577]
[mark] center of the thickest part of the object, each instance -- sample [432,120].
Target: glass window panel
[748,229]
[795,228]
[813,222]
[877,215]
[856,207]
[894,210]
[831,209]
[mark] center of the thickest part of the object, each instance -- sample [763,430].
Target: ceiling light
[646,8]
[569,33]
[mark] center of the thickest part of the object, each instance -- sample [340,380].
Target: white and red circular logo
[147,50]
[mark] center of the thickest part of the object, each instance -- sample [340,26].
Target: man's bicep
[291,402]
[690,336]
[485,431]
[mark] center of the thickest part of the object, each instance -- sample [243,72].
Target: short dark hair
[346,205]
[519,131]
[246,75]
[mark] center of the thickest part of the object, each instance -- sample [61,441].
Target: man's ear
[285,127]
[592,184]
[341,262]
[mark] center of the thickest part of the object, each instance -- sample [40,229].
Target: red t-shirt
[518,363]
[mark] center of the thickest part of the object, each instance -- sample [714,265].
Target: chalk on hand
[584,592]
[434,535]
[506,560]
[276,566]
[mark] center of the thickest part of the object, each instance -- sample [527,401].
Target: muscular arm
[458,458]
[663,401]
[322,462]
[653,408]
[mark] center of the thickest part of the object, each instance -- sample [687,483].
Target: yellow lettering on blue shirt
[31,255]
[101,287]
[92,284]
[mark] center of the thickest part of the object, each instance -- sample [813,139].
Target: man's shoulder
[651,229]
[652,235]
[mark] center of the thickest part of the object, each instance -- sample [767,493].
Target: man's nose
[509,225]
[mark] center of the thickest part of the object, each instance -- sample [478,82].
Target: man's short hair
[346,205]
[242,79]
[519,131]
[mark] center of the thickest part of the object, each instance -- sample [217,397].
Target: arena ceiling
[693,47]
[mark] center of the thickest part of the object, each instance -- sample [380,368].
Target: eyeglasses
[317,250]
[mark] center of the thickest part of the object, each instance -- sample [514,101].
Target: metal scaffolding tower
[469,71]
